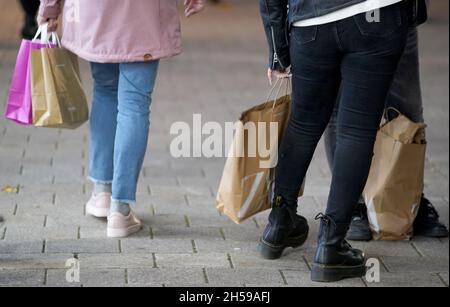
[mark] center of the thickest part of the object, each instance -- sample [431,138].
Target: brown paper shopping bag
[396,180]
[58,99]
[247,181]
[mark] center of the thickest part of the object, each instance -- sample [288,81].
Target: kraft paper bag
[396,180]
[246,187]
[58,98]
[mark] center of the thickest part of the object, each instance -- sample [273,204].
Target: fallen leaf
[10,189]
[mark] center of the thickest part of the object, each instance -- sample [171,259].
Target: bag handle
[386,117]
[46,39]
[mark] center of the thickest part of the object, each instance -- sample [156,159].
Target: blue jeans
[405,94]
[119,124]
[360,59]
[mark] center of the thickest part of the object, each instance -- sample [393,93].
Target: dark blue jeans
[360,58]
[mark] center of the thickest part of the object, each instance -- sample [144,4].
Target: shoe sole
[272,252]
[97,212]
[122,233]
[328,273]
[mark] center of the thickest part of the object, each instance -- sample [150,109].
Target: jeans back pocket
[304,35]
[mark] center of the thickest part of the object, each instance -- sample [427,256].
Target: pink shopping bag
[18,107]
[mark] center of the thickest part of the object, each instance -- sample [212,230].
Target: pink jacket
[114,31]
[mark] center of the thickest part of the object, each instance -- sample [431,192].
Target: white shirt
[364,7]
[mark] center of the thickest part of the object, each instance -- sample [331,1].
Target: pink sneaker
[99,205]
[121,226]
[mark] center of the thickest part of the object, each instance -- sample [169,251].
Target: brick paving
[185,241]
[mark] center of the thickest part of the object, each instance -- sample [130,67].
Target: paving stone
[193,233]
[168,277]
[224,246]
[301,278]
[191,260]
[241,277]
[115,261]
[23,233]
[21,247]
[252,259]
[444,277]
[57,278]
[432,248]
[404,280]
[22,278]
[171,190]
[91,246]
[415,264]
[36,261]
[170,246]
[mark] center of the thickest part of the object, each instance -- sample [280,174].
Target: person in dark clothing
[30,8]
[331,45]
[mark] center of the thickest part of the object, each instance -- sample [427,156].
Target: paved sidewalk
[185,241]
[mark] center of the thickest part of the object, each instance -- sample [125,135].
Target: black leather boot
[285,229]
[335,259]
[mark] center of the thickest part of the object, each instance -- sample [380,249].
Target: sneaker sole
[327,273]
[97,212]
[272,252]
[122,233]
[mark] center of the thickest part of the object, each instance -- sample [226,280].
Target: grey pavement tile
[22,278]
[183,232]
[116,261]
[245,276]
[87,246]
[224,246]
[166,276]
[192,260]
[21,247]
[415,264]
[300,278]
[147,245]
[417,279]
[252,259]
[35,261]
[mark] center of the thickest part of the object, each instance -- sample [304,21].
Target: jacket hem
[102,58]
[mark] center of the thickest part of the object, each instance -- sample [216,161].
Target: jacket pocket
[380,23]
[304,35]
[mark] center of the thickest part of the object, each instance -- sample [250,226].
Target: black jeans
[361,58]
[30,7]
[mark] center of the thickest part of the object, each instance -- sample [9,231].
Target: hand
[279,74]
[193,7]
[52,23]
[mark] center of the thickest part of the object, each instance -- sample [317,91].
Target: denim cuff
[99,181]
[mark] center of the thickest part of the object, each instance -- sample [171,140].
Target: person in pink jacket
[123,41]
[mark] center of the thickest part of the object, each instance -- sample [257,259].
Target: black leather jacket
[279,15]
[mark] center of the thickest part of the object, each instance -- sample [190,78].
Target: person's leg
[330,137]
[103,123]
[368,69]
[372,52]
[315,80]
[136,84]
[30,8]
